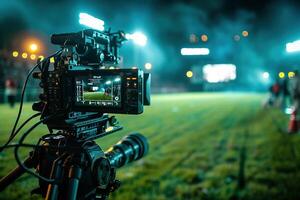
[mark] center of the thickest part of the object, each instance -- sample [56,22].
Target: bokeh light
[24,55]
[245,33]
[281,75]
[138,38]
[204,38]
[33,47]
[32,56]
[193,38]
[148,66]
[15,54]
[291,74]
[236,38]
[265,75]
[41,58]
[189,74]
[52,60]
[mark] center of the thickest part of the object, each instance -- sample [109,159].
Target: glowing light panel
[215,73]
[194,51]
[293,46]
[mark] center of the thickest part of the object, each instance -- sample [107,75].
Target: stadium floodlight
[91,22]
[138,38]
[194,51]
[293,46]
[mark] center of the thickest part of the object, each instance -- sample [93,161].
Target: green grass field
[202,146]
[94,96]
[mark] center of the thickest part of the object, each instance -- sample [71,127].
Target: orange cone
[293,124]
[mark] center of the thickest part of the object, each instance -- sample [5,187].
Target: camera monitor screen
[104,91]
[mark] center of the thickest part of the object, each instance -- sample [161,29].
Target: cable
[21,143]
[13,134]
[23,124]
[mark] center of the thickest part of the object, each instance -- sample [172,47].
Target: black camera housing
[129,95]
[78,88]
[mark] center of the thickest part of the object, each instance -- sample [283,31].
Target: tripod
[78,169]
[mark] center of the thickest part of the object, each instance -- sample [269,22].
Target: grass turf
[202,146]
[94,96]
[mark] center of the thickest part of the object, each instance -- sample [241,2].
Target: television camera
[79,89]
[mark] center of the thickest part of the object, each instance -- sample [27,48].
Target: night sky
[168,25]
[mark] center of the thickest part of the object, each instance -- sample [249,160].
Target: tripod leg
[56,173]
[75,173]
[15,173]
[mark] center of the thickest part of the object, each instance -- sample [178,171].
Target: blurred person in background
[286,97]
[11,91]
[274,90]
[295,92]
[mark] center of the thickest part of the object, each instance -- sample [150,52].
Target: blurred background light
[41,57]
[138,38]
[281,75]
[193,38]
[194,51]
[189,74]
[266,75]
[91,22]
[15,54]
[215,73]
[24,55]
[236,38]
[32,56]
[293,46]
[204,38]
[245,33]
[291,74]
[33,47]
[108,82]
[148,66]
[52,60]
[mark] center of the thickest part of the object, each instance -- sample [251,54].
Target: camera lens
[130,148]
